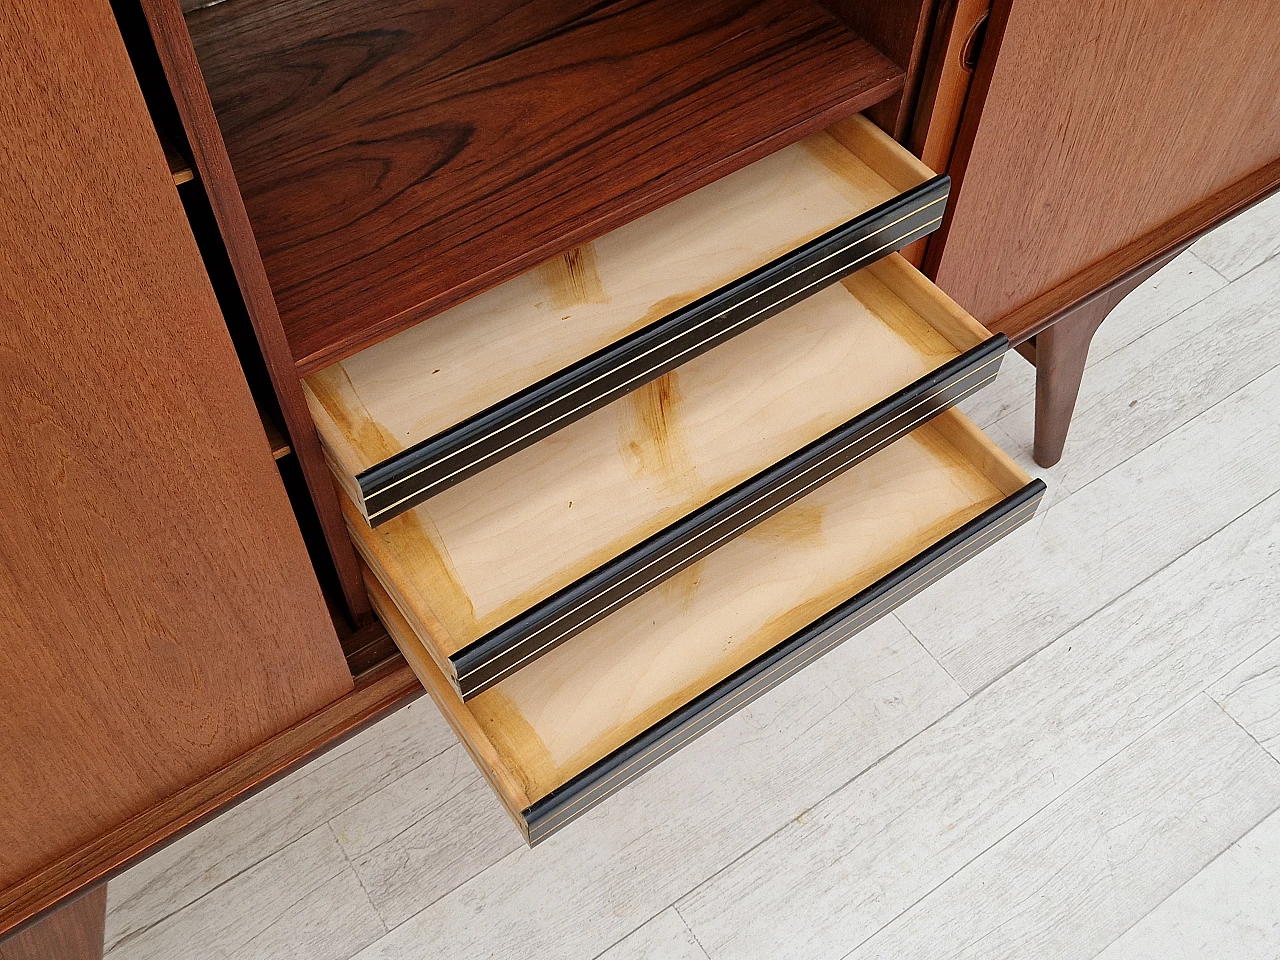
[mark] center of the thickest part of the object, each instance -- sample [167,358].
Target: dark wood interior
[396,157]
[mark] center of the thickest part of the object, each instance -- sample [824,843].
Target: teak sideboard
[531,354]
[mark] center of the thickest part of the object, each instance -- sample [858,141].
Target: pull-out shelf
[412,416]
[572,727]
[501,568]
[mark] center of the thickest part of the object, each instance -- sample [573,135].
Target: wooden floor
[1069,748]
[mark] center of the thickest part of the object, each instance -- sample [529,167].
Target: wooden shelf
[397,157]
[276,439]
[179,169]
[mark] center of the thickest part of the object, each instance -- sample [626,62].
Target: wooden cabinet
[604,393]
[713,341]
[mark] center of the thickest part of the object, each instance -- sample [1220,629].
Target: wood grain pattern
[74,932]
[178,59]
[540,727]
[160,613]
[443,370]
[869,852]
[1084,869]
[374,696]
[1251,694]
[1033,316]
[944,86]
[899,29]
[396,158]
[472,557]
[1228,909]
[1104,128]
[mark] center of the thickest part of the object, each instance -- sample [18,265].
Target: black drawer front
[733,693]
[437,463]
[540,629]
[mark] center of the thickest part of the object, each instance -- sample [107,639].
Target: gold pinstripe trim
[614,371]
[834,636]
[792,499]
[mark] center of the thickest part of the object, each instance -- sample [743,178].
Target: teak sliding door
[158,613]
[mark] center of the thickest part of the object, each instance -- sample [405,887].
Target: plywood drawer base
[500,568]
[408,418]
[579,723]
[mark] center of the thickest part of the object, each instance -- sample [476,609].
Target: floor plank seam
[930,654]
[409,826]
[676,907]
[280,910]
[1216,271]
[1232,717]
[1135,586]
[431,903]
[1261,263]
[1184,424]
[871,766]
[1031,402]
[636,929]
[330,759]
[1183,308]
[382,921]
[134,934]
[1060,797]
[1217,856]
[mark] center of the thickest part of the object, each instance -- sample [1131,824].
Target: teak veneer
[566,730]
[473,557]
[160,616]
[396,158]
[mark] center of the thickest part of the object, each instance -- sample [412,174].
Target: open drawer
[409,417]
[499,569]
[562,734]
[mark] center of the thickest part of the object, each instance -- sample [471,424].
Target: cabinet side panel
[158,614]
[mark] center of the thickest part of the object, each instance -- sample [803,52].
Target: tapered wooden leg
[1060,355]
[1060,351]
[73,932]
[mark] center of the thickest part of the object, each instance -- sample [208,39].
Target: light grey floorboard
[665,937]
[251,832]
[818,888]
[1251,694]
[1089,865]
[1243,242]
[1230,910]
[301,902]
[1155,384]
[430,831]
[1139,516]
[587,887]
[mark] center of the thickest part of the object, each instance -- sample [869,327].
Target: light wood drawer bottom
[600,709]
[498,570]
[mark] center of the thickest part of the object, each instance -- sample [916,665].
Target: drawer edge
[400,483]
[569,611]
[562,806]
